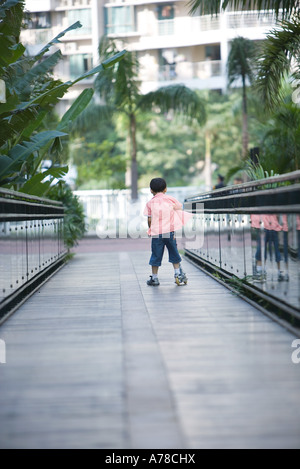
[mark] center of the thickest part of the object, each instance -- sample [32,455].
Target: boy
[165,216]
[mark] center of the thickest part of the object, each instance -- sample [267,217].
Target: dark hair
[221,177]
[158,185]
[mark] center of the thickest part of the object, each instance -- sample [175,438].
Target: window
[120,20]
[85,18]
[40,20]
[167,64]
[79,64]
[165,12]
[213,52]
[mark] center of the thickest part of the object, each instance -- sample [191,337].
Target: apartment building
[47,18]
[172,46]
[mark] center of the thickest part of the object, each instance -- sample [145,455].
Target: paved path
[97,359]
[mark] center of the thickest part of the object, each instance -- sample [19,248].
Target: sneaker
[280,277]
[153,282]
[287,278]
[181,279]
[258,277]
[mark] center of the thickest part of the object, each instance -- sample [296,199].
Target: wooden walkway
[97,359]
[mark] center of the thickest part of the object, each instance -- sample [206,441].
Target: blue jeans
[258,245]
[159,243]
[272,239]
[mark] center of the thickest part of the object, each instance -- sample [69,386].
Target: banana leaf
[76,109]
[56,40]
[19,153]
[36,186]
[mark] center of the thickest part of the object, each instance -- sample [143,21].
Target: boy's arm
[178,205]
[149,222]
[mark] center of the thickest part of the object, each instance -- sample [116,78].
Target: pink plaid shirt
[166,214]
[271,223]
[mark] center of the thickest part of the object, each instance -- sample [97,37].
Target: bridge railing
[251,233]
[31,245]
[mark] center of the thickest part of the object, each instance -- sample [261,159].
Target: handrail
[7,193]
[251,232]
[31,245]
[248,186]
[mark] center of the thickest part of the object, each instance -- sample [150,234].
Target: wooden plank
[97,359]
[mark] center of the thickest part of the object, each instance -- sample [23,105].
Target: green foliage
[74,223]
[103,167]
[277,54]
[21,152]
[168,148]
[31,94]
[76,109]
[213,7]
[256,172]
[281,144]
[240,66]
[98,150]
[224,127]
[174,148]
[179,98]
[36,186]
[241,60]
[125,97]
[278,51]
[168,145]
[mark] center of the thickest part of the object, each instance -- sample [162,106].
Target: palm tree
[280,58]
[281,144]
[279,141]
[213,7]
[222,126]
[240,67]
[280,49]
[125,97]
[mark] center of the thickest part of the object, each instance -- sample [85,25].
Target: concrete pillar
[96,5]
[224,48]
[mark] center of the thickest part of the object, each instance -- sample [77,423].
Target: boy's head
[158,185]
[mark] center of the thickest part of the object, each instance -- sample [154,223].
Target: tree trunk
[128,161]
[245,122]
[133,152]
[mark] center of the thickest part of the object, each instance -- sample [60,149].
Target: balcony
[71,4]
[250,19]
[39,37]
[198,75]
[166,27]
[37,5]
[200,24]
[186,31]
[187,25]
[190,71]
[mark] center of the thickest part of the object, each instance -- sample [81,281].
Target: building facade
[172,46]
